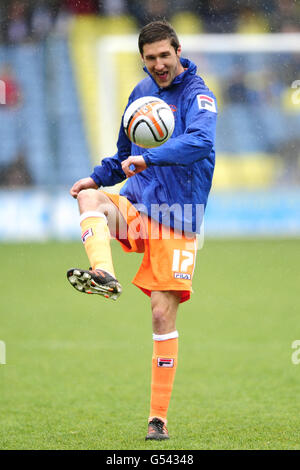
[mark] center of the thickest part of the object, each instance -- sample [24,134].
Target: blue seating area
[236,130]
[243,128]
[28,63]
[252,87]
[72,154]
[48,128]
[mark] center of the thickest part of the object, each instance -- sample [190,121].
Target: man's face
[162,62]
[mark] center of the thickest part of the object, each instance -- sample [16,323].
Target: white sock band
[87,214]
[172,335]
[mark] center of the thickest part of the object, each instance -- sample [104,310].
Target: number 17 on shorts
[183,264]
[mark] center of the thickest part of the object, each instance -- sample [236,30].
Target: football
[149,122]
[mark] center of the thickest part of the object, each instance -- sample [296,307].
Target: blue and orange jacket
[175,186]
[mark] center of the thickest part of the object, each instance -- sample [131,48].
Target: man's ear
[179,50]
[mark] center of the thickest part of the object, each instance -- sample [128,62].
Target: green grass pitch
[77,372]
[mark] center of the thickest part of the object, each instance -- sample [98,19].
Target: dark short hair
[157,31]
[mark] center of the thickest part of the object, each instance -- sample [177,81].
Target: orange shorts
[169,257]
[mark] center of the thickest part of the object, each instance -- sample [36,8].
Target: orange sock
[95,236]
[164,363]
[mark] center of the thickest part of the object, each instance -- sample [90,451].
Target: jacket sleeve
[197,140]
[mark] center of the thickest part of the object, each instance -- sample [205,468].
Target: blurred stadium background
[75,375]
[68,66]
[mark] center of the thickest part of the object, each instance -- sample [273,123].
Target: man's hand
[84,183]
[133,165]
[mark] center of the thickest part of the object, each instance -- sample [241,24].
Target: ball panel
[144,135]
[137,105]
[149,122]
[167,119]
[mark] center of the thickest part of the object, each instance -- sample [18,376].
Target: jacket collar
[190,69]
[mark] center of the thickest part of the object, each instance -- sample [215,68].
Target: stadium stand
[48,127]
[27,61]
[71,151]
[57,128]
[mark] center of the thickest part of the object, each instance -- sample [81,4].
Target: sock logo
[165,362]
[88,233]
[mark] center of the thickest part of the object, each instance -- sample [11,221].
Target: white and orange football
[149,122]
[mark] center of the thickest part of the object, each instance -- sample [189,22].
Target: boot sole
[83,281]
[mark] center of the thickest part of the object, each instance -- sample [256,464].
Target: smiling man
[162,60]
[178,174]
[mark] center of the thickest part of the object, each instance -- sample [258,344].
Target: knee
[164,307]
[160,318]
[87,195]
[91,199]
